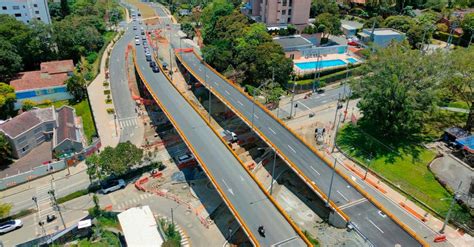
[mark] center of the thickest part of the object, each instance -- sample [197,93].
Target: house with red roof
[32,128]
[48,83]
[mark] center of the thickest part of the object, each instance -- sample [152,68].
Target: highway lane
[127,118]
[378,228]
[245,196]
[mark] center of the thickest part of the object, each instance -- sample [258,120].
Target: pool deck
[327,57]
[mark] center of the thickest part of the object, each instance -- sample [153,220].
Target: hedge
[73,195]
[336,76]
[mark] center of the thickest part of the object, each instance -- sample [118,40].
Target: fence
[45,169]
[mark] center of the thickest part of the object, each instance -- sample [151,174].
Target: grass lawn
[82,110]
[406,167]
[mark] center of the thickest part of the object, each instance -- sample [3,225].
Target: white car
[112,186]
[185,158]
[10,225]
[137,42]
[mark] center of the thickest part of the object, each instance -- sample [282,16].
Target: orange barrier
[413,212]
[308,181]
[292,165]
[440,238]
[203,165]
[247,169]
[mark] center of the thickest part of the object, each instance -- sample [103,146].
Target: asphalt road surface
[377,227]
[127,118]
[245,196]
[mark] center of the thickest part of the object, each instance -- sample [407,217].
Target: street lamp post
[273,171]
[368,166]
[293,96]
[254,101]
[450,209]
[332,180]
[335,133]
[51,192]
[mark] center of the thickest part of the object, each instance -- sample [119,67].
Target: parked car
[112,185]
[137,42]
[134,27]
[152,64]
[185,158]
[155,69]
[137,37]
[10,225]
[143,37]
[230,136]
[148,58]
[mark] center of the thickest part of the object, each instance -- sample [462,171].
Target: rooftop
[52,74]
[293,42]
[19,124]
[351,24]
[66,127]
[383,31]
[139,227]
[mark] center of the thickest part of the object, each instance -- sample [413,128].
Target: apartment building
[26,10]
[279,12]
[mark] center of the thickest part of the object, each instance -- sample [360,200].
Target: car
[143,32]
[152,64]
[230,136]
[10,225]
[143,37]
[137,42]
[137,37]
[155,69]
[134,27]
[184,158]
[148,58]
[112,185]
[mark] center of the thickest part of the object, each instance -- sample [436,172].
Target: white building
[139,227]
[26,10]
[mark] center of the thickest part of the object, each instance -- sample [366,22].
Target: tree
[65,11]
[27,105]
[437,5]
[120,159]
[460,79]
[399,90]
[415,36]
[5,210]
[55,10]
[76,85]
[328,24]
[5,150]
[399,22]
[7,98]
[10,61]
[323,6]
[467,25]
[211,14]
[92,163]
[41,45]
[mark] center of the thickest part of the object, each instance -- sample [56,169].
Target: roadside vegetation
[172,236]
[401,94]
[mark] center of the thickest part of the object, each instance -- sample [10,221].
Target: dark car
[152,64]
[155,69]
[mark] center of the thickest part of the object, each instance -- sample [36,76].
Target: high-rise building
[279,12]
[26,10]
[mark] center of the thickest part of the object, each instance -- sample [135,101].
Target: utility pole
[254,101]
[368,166]
[335,133]
[332,180]
[292,97]
[51,192]
[273,171]
[316,71]
[210,99]
[450,208]
[338,105]
[172,218]
[348,97]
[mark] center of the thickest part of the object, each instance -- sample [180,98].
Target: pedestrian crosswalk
[133,201]
[128,122]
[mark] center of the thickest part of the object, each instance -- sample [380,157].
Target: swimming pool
[324,64]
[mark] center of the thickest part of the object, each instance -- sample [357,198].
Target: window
[291,3]
[37,130]
[37,12]
[17,15]
[16,7]
[283,12]
[35,5]
[289,19]
[4,7]
[25,148]
[285,2]
[292,56]
[39,18]
[289,12]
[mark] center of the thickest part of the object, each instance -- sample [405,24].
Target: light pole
[254,100]
[368,165]
[51,192]
[316,71]
[332,180]
[293,96]
[338,106]
[273,171]
[450,209]
[335,133]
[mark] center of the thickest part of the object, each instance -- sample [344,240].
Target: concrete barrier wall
[34,173]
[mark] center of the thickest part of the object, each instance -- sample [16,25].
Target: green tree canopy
[5,151]
[467,25]
[459,79]
[118,160]
[10,61]
[399,90]
[77,86]
[323,6]
[210,15]
[399,22]
[328,24]
[5,210]
[7,98]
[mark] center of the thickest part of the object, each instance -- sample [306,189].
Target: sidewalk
[454,236]
[106,124]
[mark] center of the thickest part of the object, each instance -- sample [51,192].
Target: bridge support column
[336,220]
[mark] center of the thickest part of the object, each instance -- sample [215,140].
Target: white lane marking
[378,228]
[324,101]
[345,198]
[242,178]
[228,188]
[305,105]
[272,130]
[312,168]
[291,149]
[255,115]
[284,241]
[199,68]
[350,204]
[240,103]
[227,92]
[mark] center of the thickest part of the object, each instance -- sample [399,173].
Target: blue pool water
[324,64]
